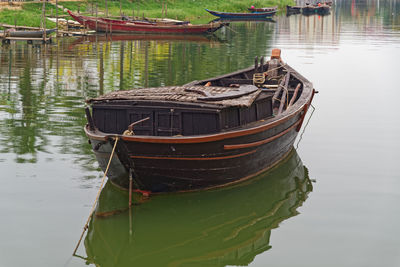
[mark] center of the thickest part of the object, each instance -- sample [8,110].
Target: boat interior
[237,100]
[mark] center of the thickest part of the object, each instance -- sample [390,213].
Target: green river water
[333,202]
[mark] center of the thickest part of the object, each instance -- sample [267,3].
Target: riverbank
[30,13]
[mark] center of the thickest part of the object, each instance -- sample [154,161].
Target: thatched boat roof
[221,96]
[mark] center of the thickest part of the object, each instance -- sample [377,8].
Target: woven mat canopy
[221,96]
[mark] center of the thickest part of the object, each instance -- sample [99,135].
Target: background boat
[119,26]
[290,10]
[308,9]
[323,9]
[233,15]
[263,9]
[26,33]
[124,20]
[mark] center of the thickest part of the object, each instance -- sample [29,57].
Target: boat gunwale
[98,135]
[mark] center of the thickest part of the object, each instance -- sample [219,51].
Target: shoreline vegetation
[30,13]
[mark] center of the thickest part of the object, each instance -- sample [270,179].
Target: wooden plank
[285,92]
[280,87]
[19,27]
[283,100]
[294,95]
[26,38]
[242,90]
[228,81]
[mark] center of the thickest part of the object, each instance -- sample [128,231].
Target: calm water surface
[348,215]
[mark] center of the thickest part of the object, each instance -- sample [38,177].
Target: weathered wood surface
[130,127]
[192,94]
[4,25]
[27,38]
[294,95]
[285,93]
[280,87]
[241,91]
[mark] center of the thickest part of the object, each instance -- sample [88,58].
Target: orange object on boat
[276,53]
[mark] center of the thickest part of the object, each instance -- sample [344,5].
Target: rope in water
[97,196]
[227,26]
[305,127]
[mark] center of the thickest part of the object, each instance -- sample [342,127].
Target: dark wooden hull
[323,10]
[170,166]
[308,10]
[293,10]
[311,9]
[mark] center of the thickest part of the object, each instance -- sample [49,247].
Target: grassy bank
[193,10]
[28,14]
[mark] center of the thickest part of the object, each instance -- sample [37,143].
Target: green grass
[192,10]
[29,15]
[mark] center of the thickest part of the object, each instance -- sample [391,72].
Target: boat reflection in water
[147,37]
[228,226]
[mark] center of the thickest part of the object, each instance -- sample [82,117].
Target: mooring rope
[97,196]
[227,26]
[277,68]
[305,126]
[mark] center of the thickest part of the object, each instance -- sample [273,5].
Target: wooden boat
[122,26]
[83,19]
[26,33]
[146,21]
[201,135]
[323,9]
[263,9]
[232,15]
[216,228]
[156,20]
[308,9]
[290,10]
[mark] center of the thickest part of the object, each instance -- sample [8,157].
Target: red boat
[127,26]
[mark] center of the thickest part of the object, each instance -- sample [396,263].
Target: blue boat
[232,15]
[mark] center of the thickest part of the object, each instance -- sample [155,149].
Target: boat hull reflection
[147,37]
[228,226]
